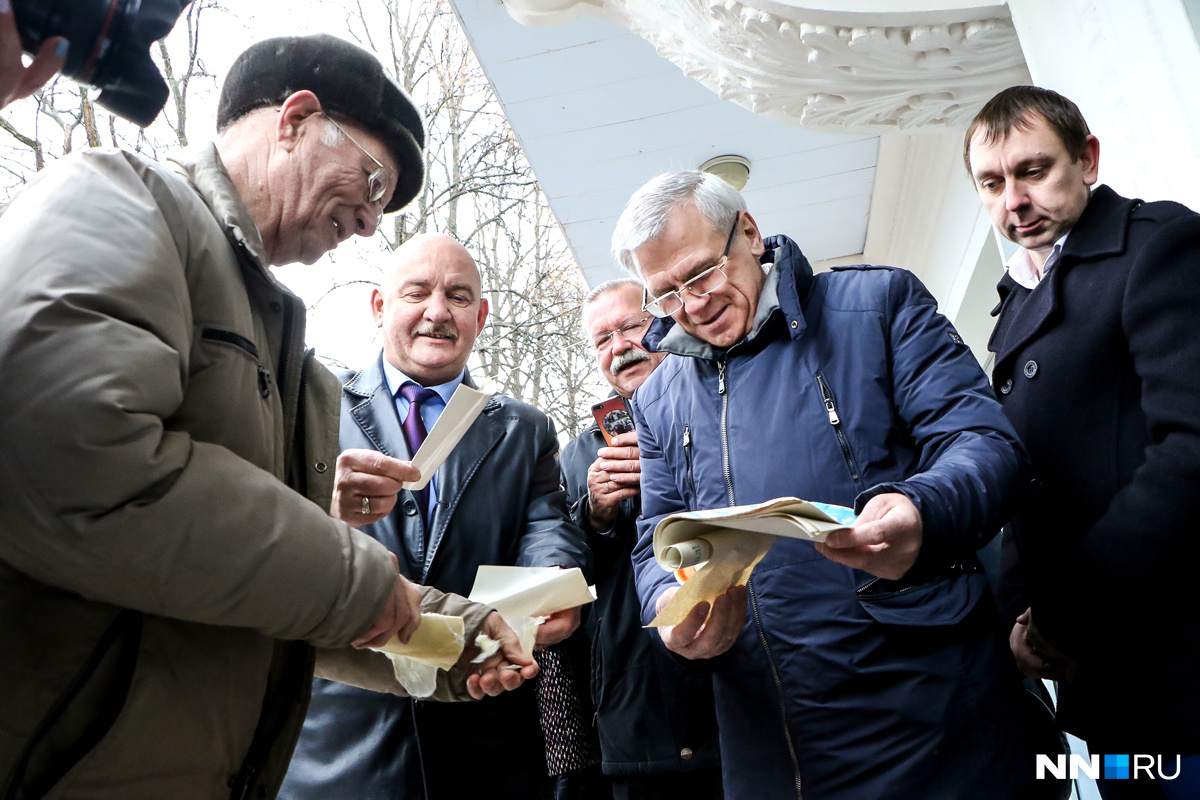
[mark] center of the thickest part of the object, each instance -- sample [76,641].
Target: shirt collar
[395,379]
[1020,265]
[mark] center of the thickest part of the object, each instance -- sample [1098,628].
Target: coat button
[1006,387]
[410,507]
[685,753]
[320,466]
[1035,487]
[794,326]
[1030,368]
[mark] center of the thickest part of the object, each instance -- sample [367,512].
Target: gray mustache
[627,359]
[440,331]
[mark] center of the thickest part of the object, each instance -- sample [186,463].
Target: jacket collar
[203,168]
[783,293]
[1101,232]
[370,380]
[375,414]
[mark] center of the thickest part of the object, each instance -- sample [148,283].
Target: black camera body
[110,47]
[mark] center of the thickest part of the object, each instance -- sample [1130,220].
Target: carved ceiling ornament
[848,78]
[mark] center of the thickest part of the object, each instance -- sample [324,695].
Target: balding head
[430,308]
[426,248]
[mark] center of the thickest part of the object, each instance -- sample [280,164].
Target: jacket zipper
[721,390]
[836,422]
[687,455]
[787,732]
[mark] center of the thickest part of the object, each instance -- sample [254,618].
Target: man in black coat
[658,730]
[495,500]
[1097,363]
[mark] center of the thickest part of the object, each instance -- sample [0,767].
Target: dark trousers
[701,784]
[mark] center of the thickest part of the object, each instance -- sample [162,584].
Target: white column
[1133,67]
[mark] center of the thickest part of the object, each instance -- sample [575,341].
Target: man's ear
[296,109]
[377,307]
[483,312]
[1090,160]
[749,227]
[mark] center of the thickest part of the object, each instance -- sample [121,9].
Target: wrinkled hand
[369,474]
[701,634]
[558,626]
[884,541]
[1035,656]
[496,674]
[615,475]
[16,80]
[401,616]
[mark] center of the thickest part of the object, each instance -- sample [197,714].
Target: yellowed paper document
[436,644]
[734,556]
[729,543]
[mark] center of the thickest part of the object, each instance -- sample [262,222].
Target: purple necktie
[415,433]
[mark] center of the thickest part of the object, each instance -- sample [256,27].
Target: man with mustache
[495,500]
[658,731]
[1097,347]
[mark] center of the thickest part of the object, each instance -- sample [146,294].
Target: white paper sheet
[530,591]
[464,406]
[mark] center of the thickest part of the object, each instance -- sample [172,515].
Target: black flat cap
[349,82]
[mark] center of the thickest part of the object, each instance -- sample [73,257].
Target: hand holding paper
[732,541]
[464,406]
[523,592]
[884,541]
[701,634]
[371,475]
[504,670]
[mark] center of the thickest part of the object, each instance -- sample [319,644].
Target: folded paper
[436,644]
[530,591]
[732,541]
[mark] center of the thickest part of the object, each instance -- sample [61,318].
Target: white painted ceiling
[598,113]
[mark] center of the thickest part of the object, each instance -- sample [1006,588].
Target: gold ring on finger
[366,506]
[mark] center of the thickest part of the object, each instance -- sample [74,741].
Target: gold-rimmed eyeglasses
[706,282]
[377,180]
[631,331]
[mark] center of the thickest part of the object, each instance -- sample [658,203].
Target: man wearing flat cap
[169,573]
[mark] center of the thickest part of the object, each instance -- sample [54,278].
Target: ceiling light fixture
[734,170]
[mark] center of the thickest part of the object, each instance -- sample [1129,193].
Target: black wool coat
[1098,368]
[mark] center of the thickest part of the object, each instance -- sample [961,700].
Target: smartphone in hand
[613,417]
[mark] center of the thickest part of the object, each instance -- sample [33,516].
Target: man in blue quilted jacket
[871,666]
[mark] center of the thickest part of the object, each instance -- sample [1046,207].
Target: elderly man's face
[429,309]
[322,190]
[615,324]
[686,247]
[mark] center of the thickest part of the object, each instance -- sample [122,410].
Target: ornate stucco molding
[823,69]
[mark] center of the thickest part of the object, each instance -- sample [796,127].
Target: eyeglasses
[377,180]
[630,331]
[706,282]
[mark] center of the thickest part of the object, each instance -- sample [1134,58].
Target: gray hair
[608,287]
[646,213]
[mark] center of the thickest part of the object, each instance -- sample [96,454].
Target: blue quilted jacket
[850,384]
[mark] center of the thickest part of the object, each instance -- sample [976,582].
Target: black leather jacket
[653,713]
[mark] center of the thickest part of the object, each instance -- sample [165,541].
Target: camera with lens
[110,47]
